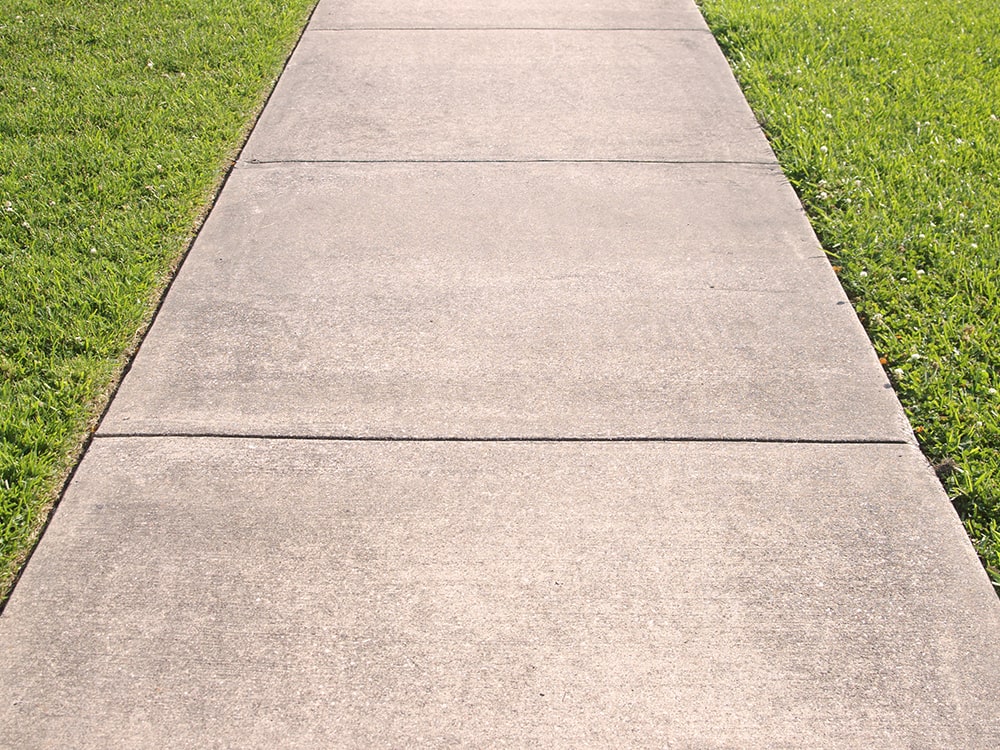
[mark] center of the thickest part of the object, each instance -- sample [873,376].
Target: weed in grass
[117,121]
[886,118]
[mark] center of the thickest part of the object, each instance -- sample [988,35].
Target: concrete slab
[507,95]
[480,14]
[508,300]
[197,593]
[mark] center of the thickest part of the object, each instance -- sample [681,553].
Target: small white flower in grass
[920,272]
[93,251]
[974,246]
[149,64]
[824,149]
[914,357]
[992,391]
[8,207]
[863,274]
[898,372]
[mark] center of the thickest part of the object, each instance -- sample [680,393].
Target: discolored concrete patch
[247,593]
[473,300]
[507,95]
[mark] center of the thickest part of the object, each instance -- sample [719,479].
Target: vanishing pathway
[506,399]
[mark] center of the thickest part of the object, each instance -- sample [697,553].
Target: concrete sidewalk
[506,399]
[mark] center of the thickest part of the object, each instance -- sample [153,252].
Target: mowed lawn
[886,118]
[118,121]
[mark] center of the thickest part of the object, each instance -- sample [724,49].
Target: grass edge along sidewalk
[118,122]
[886,119]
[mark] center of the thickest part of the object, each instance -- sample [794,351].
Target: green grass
[118,121]
[886,118]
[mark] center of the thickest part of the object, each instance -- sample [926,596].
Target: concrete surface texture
[510,300]
[508,14]
[505,400]
[288,593]
[508,95]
